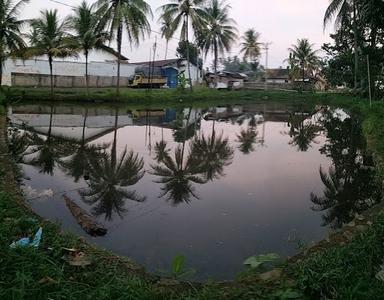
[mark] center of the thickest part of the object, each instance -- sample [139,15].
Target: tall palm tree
[184,13]
[304,57]
[88,36]
[251,45]
[10,36]
[341,9]
[131,15]
[220,29]
[166,31]
[50,37]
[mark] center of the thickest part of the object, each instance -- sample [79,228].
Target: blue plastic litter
[26,242]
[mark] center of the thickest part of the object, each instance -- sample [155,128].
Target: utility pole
[266,48]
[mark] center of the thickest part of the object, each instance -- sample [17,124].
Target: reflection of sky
[261,202]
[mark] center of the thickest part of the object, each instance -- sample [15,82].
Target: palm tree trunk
[119,42]
[303,74]
[51,73]
[188,56]
[355,44]
[166,50]
[215,59]
[86,72]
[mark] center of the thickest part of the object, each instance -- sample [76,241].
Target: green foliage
[258,260]
[182,49]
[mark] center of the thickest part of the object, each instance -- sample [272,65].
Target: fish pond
[213,184]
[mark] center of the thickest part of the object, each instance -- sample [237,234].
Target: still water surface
[216,185]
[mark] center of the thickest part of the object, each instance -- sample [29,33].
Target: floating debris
[86,222]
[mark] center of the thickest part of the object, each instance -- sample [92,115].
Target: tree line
[359,35]
[91,27]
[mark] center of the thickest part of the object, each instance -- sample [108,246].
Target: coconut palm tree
[50,37]
[219,28]
[84,23]
[304,57]
[109,176]
[131,15]
[341,9]
[184,13]
[166,31]
[251,45]
[10,36]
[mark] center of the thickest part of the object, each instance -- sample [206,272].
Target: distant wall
[97,71]
[60,81]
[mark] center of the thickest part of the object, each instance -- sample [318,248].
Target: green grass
[160,97]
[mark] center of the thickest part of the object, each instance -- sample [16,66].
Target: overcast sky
[280,22]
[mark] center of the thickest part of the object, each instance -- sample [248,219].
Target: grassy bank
[172,97]
[345,271]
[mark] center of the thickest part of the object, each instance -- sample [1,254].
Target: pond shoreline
[157,286]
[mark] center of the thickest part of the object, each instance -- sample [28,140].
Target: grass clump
[345,272]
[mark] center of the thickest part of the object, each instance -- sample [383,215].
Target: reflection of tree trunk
[185,137]
[51,73]
[50,124]
[114,145]
[86,72]
[84,124]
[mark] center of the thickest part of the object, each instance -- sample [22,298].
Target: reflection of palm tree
[18,144]
[108,177]
[344,196]
[302,132]
[177,176]
[350,186]
[247,140]
[214,153]
[78,163]
[49,151]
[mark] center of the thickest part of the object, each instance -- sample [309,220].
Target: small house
[225,80]
[278,75]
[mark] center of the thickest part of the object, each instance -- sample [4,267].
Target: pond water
[214,184]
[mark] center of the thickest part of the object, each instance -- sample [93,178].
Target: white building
[64,68]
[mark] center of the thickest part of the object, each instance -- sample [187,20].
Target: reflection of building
[68,122]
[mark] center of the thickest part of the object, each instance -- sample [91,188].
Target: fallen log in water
[86,222]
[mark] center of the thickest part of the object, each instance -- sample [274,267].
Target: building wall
[61,81]
[64,68]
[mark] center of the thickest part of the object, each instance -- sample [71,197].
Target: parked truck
[143,81]
[145,77]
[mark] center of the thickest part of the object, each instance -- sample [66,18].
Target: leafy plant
[178,267]
[257,261]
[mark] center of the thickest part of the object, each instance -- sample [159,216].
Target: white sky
[281,22]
